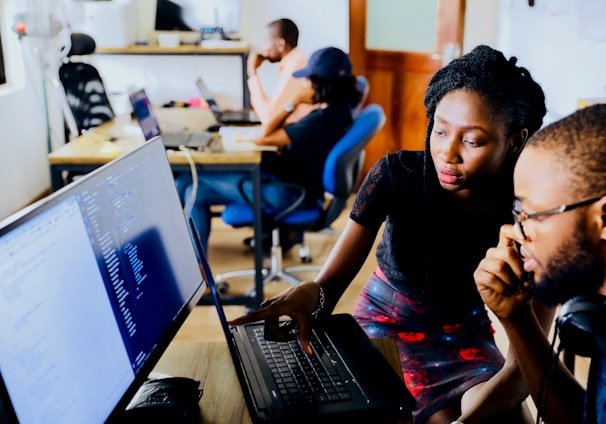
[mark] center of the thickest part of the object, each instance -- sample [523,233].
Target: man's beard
[576,268]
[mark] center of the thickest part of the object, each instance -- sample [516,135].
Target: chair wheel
[306,259]
[223,287]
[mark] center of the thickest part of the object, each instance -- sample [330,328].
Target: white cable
[189,204]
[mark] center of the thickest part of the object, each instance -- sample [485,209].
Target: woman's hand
[298,303]
[500,277]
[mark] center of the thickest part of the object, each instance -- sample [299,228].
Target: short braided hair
[509,89]
[578,143]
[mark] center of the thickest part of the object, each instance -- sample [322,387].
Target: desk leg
[258,236]
[245,93]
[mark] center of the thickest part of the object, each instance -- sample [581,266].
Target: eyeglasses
[519,215]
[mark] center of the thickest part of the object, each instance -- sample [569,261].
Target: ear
[517,141]
[281,45]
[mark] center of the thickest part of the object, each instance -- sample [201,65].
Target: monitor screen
[95,281]
[193,15]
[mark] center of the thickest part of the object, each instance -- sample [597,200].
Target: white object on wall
[110,23]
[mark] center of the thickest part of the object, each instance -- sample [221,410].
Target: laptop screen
[95,281]
[143,112]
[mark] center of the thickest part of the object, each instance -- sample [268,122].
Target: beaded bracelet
[320,303]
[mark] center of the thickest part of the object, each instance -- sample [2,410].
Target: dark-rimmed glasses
[519,215]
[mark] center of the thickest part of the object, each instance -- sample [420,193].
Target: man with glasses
[555,253]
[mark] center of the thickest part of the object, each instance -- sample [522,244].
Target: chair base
[276,271]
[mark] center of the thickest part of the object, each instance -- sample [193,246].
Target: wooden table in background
[121,135]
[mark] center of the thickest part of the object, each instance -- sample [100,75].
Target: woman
[303,145]
[442,210]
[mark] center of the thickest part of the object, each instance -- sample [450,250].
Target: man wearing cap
[303,145]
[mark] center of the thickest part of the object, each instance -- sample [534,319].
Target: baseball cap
[329,62]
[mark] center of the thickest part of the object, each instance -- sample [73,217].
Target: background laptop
[143,112]
[226,117]
[367,390]
[95,284]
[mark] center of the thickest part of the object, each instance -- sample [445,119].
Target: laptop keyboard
[302,379]
[198,139]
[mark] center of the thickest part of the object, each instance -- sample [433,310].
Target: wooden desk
[188,49]
[211,364]
[94,149]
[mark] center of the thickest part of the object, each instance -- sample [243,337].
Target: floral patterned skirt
[440,359]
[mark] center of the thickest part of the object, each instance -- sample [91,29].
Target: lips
[448,176]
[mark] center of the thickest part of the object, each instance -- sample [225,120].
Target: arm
[298,302]
[525,330]
[272,132]
[506,390]
[258,98]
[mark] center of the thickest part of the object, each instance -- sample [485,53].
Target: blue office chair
[341,174]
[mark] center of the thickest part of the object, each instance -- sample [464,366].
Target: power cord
[189,203]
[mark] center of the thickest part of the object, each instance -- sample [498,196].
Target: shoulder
[402,163]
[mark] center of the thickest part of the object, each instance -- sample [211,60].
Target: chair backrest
[343,165]
[84,89]
[364,87]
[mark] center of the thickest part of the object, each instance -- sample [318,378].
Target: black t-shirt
[428,253]
[311,138]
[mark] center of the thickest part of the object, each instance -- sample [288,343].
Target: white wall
[561,42]
[24,170]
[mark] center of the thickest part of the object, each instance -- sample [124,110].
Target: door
[398,76]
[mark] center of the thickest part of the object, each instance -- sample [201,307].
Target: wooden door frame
[450,32]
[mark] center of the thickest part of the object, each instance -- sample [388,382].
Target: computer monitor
[95,281]
[194,15]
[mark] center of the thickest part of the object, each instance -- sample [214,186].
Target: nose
[449,150]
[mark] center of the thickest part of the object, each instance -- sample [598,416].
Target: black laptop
[147,120]
[95,279]
[226,117]
[347,378]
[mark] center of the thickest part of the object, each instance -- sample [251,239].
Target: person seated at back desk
[303,145]
[279,46]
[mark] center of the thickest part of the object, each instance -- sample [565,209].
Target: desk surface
[211,364]
[96,148]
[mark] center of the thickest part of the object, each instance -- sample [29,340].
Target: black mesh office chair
[84,89]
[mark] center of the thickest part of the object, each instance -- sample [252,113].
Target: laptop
[143,112]
[95,284]
[226,117]
[347,378]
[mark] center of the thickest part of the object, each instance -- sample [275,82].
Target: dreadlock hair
[578,143]
[336,91]
[287,30]
[506,88]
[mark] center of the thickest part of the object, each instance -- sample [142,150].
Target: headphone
[581,323]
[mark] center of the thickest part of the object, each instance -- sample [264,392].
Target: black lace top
[428,253]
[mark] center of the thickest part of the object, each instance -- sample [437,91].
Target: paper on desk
[241,139]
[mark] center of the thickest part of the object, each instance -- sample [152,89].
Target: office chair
[341,174]
[84,89]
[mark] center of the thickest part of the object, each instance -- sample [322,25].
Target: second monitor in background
[143,112]
[226,117]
